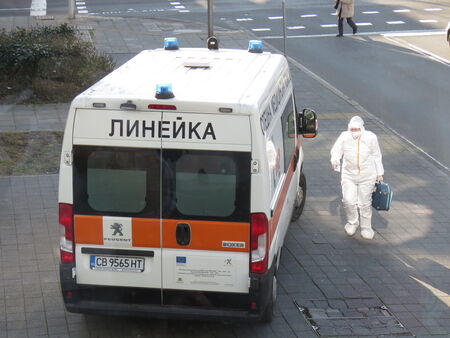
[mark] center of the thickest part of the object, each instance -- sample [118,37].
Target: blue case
[382,196]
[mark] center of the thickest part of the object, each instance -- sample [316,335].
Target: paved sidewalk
[33,117]
[397,284]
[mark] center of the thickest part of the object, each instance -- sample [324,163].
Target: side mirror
[309,124]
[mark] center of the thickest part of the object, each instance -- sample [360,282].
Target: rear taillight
[259,237]
[66,242]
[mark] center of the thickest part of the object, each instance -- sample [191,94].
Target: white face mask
[356,134]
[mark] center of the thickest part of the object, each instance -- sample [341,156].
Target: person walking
[345,9]
[361,168]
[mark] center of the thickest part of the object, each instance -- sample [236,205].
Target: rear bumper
[141,302]
[155,311]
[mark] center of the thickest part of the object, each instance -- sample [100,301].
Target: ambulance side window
[275,154]
[289,139]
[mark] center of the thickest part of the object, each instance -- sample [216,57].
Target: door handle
[183,234]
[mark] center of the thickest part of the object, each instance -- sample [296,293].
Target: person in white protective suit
[361,168]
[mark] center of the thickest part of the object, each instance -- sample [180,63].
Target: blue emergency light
[164,91]
[171,44]
[255,46]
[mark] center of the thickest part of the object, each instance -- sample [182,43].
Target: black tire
[269,311]
[300,199]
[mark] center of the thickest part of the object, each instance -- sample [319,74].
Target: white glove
[336,165]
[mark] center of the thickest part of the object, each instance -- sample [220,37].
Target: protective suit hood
[356,122]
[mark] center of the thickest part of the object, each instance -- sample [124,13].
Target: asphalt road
[407,89]
[14,7]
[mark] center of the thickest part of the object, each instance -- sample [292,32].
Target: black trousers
[341,25]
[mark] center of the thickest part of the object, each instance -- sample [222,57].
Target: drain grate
[350,317]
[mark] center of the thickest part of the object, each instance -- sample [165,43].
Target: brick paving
[405,267]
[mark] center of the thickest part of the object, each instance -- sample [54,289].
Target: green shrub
[55,56]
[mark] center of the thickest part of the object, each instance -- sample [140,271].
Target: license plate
[114,263]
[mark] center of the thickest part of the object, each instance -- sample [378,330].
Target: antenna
[213,42]
[283,6]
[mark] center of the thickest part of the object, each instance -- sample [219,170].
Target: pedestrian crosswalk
[171,7]
[367,18]
[81,7]
[313,21]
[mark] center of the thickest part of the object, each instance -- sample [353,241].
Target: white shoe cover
[350,229]
[367,234]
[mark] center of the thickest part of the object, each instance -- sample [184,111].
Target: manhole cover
[350,317]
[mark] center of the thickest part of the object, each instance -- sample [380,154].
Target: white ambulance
[180,173]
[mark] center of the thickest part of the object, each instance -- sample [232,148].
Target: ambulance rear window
[117,188]
[116,181]
[205,185]
[210,185]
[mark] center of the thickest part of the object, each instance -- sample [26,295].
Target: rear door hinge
[255,166]
[68,158]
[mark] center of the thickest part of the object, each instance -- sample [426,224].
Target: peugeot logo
[117,229]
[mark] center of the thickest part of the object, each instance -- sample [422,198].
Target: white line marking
[275,17]
[81,7]
[414,33]
[433,9]
[308,15]
[334,14]
[83,12]
[295,27]
[180,7]
[274,37]
[329,25]
[175,3]
[428,20]
[184,11]
[419,50]
[385,33]
[261,29]
[371,12]
[395,22]
[14,9]
[80,3]
[38,8]
[401,10]
[361,24]
[244,19]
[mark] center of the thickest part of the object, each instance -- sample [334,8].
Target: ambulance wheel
[299,199]
[270,308]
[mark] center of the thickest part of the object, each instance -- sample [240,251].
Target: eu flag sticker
[181,260]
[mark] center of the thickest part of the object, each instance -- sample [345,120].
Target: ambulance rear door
[117,206]
[205,208]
